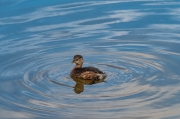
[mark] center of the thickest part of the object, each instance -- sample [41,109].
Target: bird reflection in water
[79,86]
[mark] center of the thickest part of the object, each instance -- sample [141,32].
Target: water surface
[135,42]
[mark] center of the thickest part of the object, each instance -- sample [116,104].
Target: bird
[91,74]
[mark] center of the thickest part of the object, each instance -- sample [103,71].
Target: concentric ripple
[140,55]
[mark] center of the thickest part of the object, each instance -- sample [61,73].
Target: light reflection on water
[135,42]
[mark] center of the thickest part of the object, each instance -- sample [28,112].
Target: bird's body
[85,73]
[90,73]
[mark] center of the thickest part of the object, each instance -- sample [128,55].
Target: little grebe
[86,73]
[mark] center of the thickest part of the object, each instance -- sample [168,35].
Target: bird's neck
[78,66]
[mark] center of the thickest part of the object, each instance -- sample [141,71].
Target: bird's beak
[73,62]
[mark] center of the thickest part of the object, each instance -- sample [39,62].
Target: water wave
[139,53]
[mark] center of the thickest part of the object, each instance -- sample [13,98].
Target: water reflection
[136,42]
[79,87]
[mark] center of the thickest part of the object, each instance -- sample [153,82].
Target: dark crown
[77,57]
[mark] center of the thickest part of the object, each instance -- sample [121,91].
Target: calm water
[136,42]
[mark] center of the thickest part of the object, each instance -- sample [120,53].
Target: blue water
[136,42]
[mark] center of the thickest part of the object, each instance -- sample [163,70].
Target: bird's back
[90,73]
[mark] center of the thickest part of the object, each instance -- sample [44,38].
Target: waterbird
[90,74]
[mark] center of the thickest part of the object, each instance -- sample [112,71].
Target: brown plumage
[86,73]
